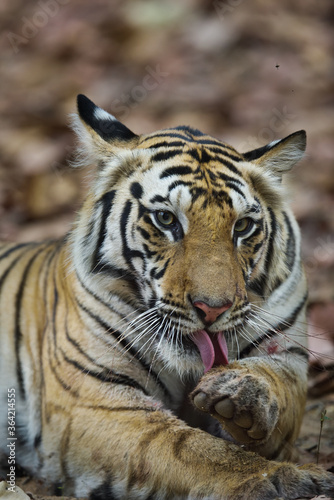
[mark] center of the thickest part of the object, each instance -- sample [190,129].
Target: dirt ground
[246,72]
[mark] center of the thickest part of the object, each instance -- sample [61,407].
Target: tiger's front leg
[141,453]
[258,401]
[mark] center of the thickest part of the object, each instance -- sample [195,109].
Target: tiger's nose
[208,313]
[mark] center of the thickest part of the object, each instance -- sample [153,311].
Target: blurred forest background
[247,72]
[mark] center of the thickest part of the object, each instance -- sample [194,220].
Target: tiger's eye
[242,225]
[165,218]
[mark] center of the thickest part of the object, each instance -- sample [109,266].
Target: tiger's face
[187,221]
[195,242]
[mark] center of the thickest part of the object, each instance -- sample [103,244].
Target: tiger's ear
[99,132]
[279,156]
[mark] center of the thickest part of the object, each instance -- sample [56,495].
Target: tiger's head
[184,229]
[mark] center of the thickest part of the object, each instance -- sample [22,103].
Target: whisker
[290,336]
[237,341]
[141,335]
[303,323]
[284,322]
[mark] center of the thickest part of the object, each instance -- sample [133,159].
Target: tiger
[158,350]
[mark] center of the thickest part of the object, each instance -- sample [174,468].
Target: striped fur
[98,330]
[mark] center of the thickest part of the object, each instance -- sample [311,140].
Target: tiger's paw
[286,482]
[242,402]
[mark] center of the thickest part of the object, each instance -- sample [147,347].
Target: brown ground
[246,72]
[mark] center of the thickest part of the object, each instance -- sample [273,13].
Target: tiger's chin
[183,358]
[194,353]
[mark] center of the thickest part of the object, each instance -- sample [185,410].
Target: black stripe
[213,145]
[46,265]
[114,333]
[205,156]
[272,236]
[177,314]
[231,167]
[171,144]
[290,249]
[155,274]
[59,378]
[277,283]
[258,285]
[280,327]
[111,270]
[190,131]
[136,190]
[158,199]
[104,491]
[179,443]
[298,350]
[229,179]
[128,253]
[224,158]
[11,266]
[54,312]
[177,170]
[14,248]
[106,375]
[60,381]
[37,440]
[257,247]
[108,328]
[218,146]
[126,345]
[193,153]
[145,409]
[177,183]
[211,141]
[107,202]
[168,134]
[54,358]
[235,188]
[146,235]
[219,154]
[18,307]
[76,344]
[222,153]
[129,280]
[292,318]
[166,155]
[218,197]
[197,192]
[149,253]
[142,210]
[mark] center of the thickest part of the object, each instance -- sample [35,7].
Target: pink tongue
[213,349]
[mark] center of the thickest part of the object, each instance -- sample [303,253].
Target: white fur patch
[272,143]
[100,114]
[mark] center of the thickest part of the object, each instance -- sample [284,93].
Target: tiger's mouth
[212,348]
